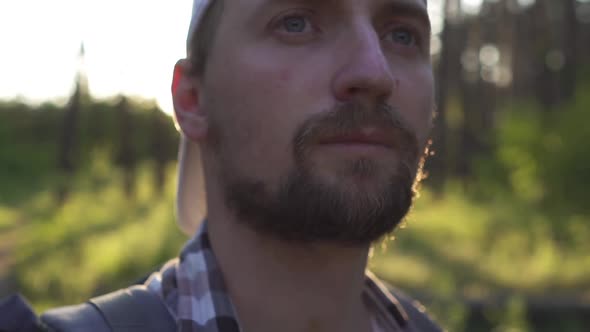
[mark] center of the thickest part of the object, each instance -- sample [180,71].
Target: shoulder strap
[408,313]
[132,309]
[417,315]
[16,314]
[76,318]
[135,309]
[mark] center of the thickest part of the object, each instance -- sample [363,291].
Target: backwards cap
[199,9]
[190,196]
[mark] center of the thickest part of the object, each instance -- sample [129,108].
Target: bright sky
[131,46]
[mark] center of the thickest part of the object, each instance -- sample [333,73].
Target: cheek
[259,118]
[415,99]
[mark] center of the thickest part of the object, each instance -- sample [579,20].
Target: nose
[365,72]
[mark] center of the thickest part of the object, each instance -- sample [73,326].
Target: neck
[278,286]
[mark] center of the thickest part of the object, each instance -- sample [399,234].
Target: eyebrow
[409,9]
[266,5]
[404,8]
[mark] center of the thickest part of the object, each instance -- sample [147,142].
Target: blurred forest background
[498,240]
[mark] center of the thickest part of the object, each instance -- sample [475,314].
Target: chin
[360,173]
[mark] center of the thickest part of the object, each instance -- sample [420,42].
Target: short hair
[201,40]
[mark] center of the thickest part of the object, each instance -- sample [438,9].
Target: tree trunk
[66,151]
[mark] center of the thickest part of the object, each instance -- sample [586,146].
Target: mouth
[365,137]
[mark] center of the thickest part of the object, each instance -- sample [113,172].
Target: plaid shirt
[192,288]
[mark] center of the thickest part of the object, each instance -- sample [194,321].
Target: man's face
[319,112]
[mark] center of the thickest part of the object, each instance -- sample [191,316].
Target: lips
[364,136]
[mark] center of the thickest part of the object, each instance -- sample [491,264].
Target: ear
[185,96]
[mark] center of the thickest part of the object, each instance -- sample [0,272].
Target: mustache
[352,117]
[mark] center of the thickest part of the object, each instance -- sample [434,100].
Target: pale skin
[273,64]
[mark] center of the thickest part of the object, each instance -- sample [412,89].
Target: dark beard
[305,210]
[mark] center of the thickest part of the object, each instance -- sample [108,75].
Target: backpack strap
[416,313]
[75,318]
[16,314]
[132,309]
[408,313]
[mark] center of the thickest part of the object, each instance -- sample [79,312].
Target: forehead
[252,11]
[254,5]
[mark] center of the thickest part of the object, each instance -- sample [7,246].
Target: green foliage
[27,148]
[34,133]
[519,227]
[99,240]
[462,247]
[541,162]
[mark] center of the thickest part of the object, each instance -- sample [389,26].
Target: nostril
[353,91]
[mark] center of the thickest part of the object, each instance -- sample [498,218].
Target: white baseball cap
[191,205]
[199,9]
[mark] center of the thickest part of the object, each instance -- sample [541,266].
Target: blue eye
[403,36]
[294,24]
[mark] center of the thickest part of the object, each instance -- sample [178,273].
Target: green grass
[459,247]
[97,241]
[482,248]
[8,218]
